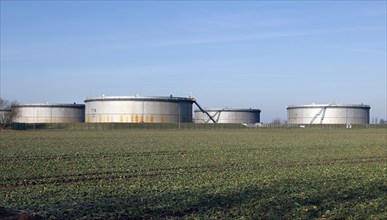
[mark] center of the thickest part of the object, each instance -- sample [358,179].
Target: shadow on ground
[287,200]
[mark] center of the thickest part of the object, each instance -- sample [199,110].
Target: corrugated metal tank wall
[128,109]
[328,114]
[49,113]
[233,116]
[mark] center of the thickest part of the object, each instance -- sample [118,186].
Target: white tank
[49,113]
[328,114]
[232,116]
[137,109]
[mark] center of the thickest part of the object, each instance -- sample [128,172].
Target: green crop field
[197,174]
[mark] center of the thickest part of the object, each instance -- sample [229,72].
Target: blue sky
[246,54]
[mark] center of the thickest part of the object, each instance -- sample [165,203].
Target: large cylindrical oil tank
[49,113]
[226,115]
[328,114]
[137,109]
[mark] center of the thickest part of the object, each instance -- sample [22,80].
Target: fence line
[181,126]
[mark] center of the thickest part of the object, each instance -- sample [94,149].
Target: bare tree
[7,114]
[276,121]
[382,121]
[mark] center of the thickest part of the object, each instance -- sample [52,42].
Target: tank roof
[231,109]
[330,105]
[51,105]
[141,98]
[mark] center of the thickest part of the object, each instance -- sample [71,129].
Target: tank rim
[231,110]
[140,98]
[50,105]
[329,106]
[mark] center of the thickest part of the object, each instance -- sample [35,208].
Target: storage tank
[235,116]
[328,114]
[49,113]
[137,109]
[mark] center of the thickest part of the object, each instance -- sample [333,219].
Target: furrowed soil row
[102,155]
[135,154]
[110,175]
[335,161]
[22,182]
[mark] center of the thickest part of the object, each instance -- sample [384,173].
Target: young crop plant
[195,174]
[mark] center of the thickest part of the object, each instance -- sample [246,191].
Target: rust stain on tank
[121,118]
[136,118]
[151,119]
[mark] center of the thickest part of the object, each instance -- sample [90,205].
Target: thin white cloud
[358,50]
[121,42]
[238,21]
[248,37]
